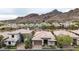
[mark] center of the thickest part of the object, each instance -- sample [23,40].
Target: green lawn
[11,47]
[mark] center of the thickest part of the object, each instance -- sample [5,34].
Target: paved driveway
[37,47]
[20,46]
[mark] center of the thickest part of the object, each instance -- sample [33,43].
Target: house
[77,33]
[56,24]
[42,38]
[16,36]
[65,24]
[24,33]
[13,39]
[64,32]
[2,40]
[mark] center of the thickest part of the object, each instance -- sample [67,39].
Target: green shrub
[64,40]
[10,47]
[73,27]
[27,43]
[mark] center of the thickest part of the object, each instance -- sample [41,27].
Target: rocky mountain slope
[52,16]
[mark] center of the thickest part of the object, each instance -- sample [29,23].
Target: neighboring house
[77,33]
[56,24]
[24,33]
[42,38]
[12,25]
[13,39]
[16,36]
[64,32]
[66,24]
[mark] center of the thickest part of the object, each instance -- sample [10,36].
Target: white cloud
[6,17]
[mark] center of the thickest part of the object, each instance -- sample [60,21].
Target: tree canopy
[64,40]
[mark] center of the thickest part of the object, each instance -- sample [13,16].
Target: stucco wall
[12,40]
[12,43]
[51,43]
[17,36]
[77,42]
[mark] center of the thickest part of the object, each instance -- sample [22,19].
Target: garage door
[38,42]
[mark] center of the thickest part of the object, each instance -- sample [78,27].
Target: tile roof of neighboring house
[43,34]
[75,31]
[22,31]
[64,32]
[5,34]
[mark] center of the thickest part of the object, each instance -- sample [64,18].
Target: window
[74,41]
[9,42]
[12,36]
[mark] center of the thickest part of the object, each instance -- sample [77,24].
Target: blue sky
[10,13]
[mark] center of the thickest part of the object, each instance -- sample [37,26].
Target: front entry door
[74,42]
[45,42]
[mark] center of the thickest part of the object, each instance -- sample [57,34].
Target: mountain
[52,16]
